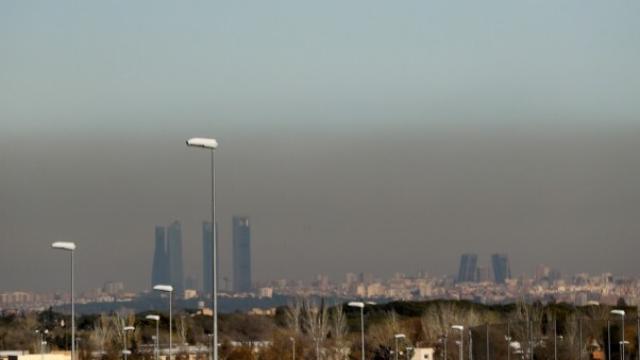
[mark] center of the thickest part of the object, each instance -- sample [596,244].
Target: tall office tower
[468,267]
[160,269]
[206,257]
[174,245]
[501,268]
[241,254]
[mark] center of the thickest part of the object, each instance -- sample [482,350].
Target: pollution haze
[364,136]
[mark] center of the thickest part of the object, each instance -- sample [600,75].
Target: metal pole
[157,338]
[555,338]
[294,348]
[580,339]
[214,245]
[445,346]
[530,345]
[124,351]
[638,330]
[461,345]
[470,345]
[170,325]
[508,341]
[396,353]
[609,339]
[73,315]
[362,329]
[487,358]
[622,331]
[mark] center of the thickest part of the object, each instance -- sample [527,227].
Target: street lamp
[168,289]
[361,305]
[408,351]
[42,341]
[443,340]
[211,144]
[398,337]
[70,247]
[126,351]
[155,318]
[621,313]
[622,344]
[461,344]
[293,347]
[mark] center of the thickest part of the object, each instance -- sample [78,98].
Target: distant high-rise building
[207,264]
[241,254]
[174,246]
[501,268]
[468,268]
[160,267]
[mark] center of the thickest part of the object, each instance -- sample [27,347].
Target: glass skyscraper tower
[174,246]
[241,254]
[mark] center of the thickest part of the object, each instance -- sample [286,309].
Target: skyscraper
[468,268]
[174,246]
[241,254]
[160,268]
[206,258]
[501,268]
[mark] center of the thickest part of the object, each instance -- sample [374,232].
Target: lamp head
[64,245]
[203,143]
[458,327]
[399,336]
[163,288]
[153,317]
[358,304]
[618,312]
[129,328]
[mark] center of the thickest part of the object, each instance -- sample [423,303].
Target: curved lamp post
[361,305]
[621,313]
[212,145]
[461,329]
[70,247]
[126,351]
[168,289]
[397,337]
[156,344]
[293,347]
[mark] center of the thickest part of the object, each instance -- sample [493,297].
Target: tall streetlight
[156,344]
[126,330]
[461,329]
[621,313]
[168,289]
[212,145]
[397,337]
[70,247]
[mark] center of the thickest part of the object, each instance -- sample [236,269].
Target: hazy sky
[374,136]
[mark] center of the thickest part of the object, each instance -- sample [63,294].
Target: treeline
[332,331]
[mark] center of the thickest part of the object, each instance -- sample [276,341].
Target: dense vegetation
[333,332]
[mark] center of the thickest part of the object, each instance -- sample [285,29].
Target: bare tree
[293,316]
[316,323]
[382,334]
[101,333]
[339,332]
